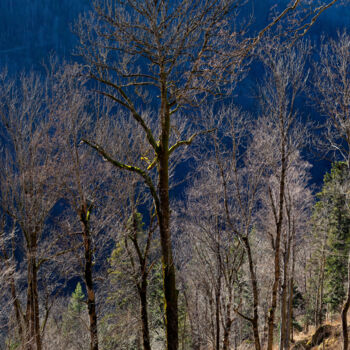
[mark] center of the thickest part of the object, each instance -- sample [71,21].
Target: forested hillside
[157,188]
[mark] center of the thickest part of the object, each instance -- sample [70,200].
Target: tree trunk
[144,313]
[89,279]
[319,315]
[17,308]
[271,316]
[195,340]
[284,336]
[36,307]
[289,328]
[218,295]
[217,315]
[344,313]
[289,332]
[228,323]
[255,319]
[33,336]
[163,213]
[284,305]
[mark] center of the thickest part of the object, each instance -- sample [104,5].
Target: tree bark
[284,339]
[228,323]
[344,313]
[33,336]
[254,282]
[289,331]
[283,311]
[144,314]
[271,316]
[163,213]
[319,316]
[17,309]
[217,314]
[88,276]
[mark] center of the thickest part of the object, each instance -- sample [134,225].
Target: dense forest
[157,188]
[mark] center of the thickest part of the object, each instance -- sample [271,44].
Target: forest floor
[332,340]
[304,340]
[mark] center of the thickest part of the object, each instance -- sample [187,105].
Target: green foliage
[332,215]
[74,322]
[76,303]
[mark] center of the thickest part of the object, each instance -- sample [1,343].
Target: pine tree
[76,303]
[74,327]
[334,216]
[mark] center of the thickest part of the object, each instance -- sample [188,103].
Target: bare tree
[332,82]
[220,212]
[167,55]
[28,196]
[138,50]
[216,258]
[298,200]
[98,196]
[281,137]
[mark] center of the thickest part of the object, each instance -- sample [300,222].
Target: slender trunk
[284,339]
[254,282]
[317,303]
[218,294]
[289,332]
[169,280]
[344,313]
[142,286]
[228,323]
[289,329]
[217,314]
[195,341]
[36,307]
[15,301]
[271,316]
[17,308]
[91,300]
[144,313]
[212,314]
[33,336]
[29,307]
[283,305]
[321,284]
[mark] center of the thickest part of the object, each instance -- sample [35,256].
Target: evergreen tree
[332,211]
[76,303]
[74,326]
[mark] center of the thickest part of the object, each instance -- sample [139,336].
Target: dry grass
[332,343]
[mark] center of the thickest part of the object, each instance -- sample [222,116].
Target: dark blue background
[31,30]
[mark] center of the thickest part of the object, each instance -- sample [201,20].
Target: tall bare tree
[98,196]
[28,195]
[162,56]
[286,78]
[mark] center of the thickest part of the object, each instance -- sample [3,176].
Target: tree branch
[130,168]
[189,140]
